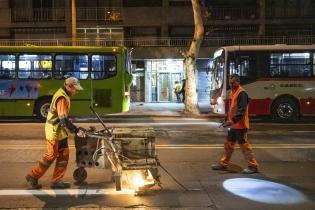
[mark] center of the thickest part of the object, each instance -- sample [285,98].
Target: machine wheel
[41,109]
[118,183]
[80,174]
[285,109]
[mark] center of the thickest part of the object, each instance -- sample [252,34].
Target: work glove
[226,124]
[81,132]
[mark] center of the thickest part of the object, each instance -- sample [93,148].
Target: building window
[141,3]
[289,30]
[103,33]
[181,31]
[142,31]
[42,3]
[179,3]
[228,31]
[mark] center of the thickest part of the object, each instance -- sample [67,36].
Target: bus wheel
[285,109]
[41,109]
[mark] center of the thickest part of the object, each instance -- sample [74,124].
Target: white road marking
[137,124]
[76,192]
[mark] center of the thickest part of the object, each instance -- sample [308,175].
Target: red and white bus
[279,79]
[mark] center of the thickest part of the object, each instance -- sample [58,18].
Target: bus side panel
[307,106]
[16,108]
[256,106]
[259,106]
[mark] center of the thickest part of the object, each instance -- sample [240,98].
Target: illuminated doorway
[166,85]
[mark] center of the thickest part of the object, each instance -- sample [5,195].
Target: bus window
[71,65]
[35,66]
[263,60]
[103,66]
[290,65]
[7,66]
[245,66]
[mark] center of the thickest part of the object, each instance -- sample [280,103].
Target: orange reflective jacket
[244,122]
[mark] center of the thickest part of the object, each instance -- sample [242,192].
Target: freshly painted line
[172,146]
[67,192]
[143,124]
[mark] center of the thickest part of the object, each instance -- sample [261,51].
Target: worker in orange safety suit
[56,126]
[238,122]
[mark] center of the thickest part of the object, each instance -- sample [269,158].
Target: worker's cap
[75,82]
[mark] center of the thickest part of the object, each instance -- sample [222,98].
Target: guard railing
[162,42]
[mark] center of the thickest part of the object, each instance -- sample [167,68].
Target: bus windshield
[279,79]
[217,74]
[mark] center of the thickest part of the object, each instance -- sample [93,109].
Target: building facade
[158,29]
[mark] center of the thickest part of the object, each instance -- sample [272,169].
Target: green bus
[29,76]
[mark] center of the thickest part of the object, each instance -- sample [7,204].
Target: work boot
[60,185]
[250,170]
[33,182]
[218,167]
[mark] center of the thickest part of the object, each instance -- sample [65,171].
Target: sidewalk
[140,109]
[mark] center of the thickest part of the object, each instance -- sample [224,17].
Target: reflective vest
[53,130]
[177,88]
[244,122]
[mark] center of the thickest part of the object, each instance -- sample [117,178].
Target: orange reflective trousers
[239,135]
[58,150]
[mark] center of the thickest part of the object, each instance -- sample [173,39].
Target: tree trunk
[190,56]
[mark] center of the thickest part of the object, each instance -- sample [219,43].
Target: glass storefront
[154,80]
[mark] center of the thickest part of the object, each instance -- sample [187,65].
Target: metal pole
[73,22]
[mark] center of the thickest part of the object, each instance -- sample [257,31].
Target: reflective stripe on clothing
[239,136]
[55,150]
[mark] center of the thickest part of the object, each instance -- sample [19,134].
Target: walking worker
[177,91]
[238,123]
[57,124]
[182,91]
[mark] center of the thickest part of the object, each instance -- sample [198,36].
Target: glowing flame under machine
[128,152]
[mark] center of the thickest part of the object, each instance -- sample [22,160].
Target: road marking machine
[128,152]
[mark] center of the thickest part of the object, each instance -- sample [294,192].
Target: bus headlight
[220,100]
[127,93]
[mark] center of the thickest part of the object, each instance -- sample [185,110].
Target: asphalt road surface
[186,148]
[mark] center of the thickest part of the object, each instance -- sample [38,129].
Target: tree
[190,56]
